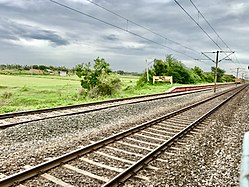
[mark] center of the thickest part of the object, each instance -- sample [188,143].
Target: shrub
[90,76]
[7,95]
[107,85]
[210,77]
[24,89]
[99,80]
[143,79]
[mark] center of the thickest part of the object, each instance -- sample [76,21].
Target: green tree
[210,77]
[98,80]
[220,73]
[85,72]
[42,67]
[228,78]
[169,67]
[198,71]
[181,74]
[178,70]
[160,67]
[101,66]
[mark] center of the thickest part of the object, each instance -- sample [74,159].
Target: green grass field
[27,92]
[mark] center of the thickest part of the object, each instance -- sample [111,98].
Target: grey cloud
[16,31]
[97,39]
[111,37]
[48,35]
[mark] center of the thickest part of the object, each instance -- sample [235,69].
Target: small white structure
[163,79]
[63,73]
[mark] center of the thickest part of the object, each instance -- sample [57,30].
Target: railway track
[110,162]
[16,118]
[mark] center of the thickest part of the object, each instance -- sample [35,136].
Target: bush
[7,95]
[107,85]
[210,77]
[228,78]
[143,78]
[100,80]
[24,89]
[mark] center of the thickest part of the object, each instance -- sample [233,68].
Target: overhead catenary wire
[141,26]
[200,13]
[210,25]
[203,29]
[198,25]
[237,60]
[120,28]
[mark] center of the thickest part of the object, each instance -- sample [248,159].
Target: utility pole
[216,64]
[237,71]
[147,70]
[148,63]
[216,70]
[242,76]
[237,74]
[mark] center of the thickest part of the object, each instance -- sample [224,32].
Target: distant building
[63,73]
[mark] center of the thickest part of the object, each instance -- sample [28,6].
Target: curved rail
[33,171]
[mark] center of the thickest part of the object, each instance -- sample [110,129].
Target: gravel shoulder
[213,157]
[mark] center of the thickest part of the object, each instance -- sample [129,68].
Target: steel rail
[15,114]
[38,169]
[133,169]
[179,92]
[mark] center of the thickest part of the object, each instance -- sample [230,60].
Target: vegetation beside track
[29,92]
[20,90]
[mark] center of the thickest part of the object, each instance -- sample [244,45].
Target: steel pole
[216,70]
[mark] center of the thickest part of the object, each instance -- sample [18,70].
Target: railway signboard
[163,79]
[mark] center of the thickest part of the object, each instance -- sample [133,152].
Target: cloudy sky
[43,32]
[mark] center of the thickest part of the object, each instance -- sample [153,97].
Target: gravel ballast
[31,143]
[56,136]
[210,158]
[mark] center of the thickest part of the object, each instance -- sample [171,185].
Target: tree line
[181,74]
[29,67]
[98,79]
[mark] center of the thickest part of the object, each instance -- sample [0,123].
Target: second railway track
[17,118]
[110,162]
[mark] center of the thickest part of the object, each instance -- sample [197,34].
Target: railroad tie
[134,146]
[140,141]
[52,178]
[123,160]
[86,173]
[125,152]
[150,137]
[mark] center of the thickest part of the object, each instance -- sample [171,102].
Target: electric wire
[199,12]
[198,25]
[204,30]
[210,25]
[120,28]
[141,26]
[236,59]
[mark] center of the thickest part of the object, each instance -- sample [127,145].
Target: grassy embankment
[29,92]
